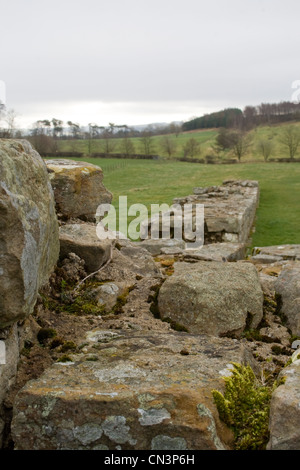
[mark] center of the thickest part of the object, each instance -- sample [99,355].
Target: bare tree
[57,127]
[290,138]
[191,148]
[107,143]
[265,148]
[127,146]
[168,145]
[10,119]
[147,143]
[175,128]
[74,129]
[241,144]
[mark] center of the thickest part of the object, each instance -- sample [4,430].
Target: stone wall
[143,331]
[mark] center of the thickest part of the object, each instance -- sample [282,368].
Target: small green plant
[44,334]
[68,346]
[244,407]
[64,358]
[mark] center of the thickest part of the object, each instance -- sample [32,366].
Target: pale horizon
[140,63]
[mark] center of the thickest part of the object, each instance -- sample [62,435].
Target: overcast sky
[135,61]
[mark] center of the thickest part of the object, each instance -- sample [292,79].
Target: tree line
[251,116]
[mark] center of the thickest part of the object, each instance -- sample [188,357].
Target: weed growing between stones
[44,334]
[245,407]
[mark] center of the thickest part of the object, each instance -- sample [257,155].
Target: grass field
[150,182]
[206,139]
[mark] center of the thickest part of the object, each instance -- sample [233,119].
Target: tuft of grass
[245,407]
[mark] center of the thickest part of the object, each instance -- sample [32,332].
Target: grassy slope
[206,138]
[150,182]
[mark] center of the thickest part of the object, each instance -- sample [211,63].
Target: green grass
[156,182]
[206,139]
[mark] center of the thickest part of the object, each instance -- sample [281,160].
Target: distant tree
[241,143]
[175,128]
[10,119]
[74,129]
[290,138]
[250,114]
[168,145]
[107,143]
[127,146]
[191,148]
[146,141]
[225,139]
[43,143]
[265,148]
[57,128]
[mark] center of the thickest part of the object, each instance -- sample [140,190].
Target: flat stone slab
[265,259]
[156,247]
[217,252]
[136,391]
[283,252]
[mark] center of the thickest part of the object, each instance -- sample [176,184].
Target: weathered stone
[286,252]
[82,240]
[288,287]
[285,411]
[8,367]
[265,259]
[155,247]
[29,229]
[107,294]
[141,393]
[78,188]
[138,260]
[217,252]
[267,284]
[229,213]
[212,297]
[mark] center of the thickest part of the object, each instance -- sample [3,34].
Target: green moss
[252,335]
[121,301]
[92,358]
[175,326]
[64,358]
[26,349]
[48,303]
[245,407]
[68,346]
[44,334]
[56,342]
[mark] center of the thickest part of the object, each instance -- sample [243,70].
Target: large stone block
[82,240]
[141,391]
[29,244]
[212,297]
[287,286]
[78,188]
[285,411]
